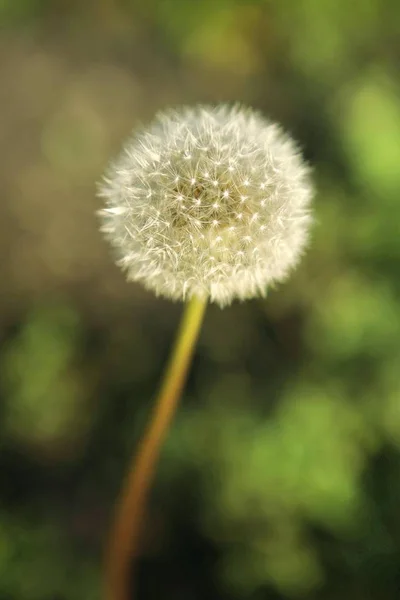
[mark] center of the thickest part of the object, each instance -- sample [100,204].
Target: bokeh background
[281,476]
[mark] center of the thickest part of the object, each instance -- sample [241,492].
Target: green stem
[125,535]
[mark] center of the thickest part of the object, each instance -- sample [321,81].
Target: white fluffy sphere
[208,201]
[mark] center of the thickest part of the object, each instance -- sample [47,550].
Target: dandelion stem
[125,535]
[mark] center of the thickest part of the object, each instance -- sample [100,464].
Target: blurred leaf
[370,117]
[43,392]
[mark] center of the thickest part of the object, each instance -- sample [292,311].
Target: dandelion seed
[171,178]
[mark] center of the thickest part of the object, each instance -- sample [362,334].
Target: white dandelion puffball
[208,201]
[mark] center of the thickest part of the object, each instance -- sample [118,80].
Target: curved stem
[125,535]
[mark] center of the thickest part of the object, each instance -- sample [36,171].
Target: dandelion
[208,204]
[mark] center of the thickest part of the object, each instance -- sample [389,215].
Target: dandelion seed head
[208,201]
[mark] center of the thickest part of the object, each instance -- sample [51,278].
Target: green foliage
[265,479]
[22,11]
[36,563]
[372,143]
[43,389]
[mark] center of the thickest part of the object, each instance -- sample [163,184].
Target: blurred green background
[281,477]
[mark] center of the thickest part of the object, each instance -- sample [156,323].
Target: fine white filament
[210,202]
